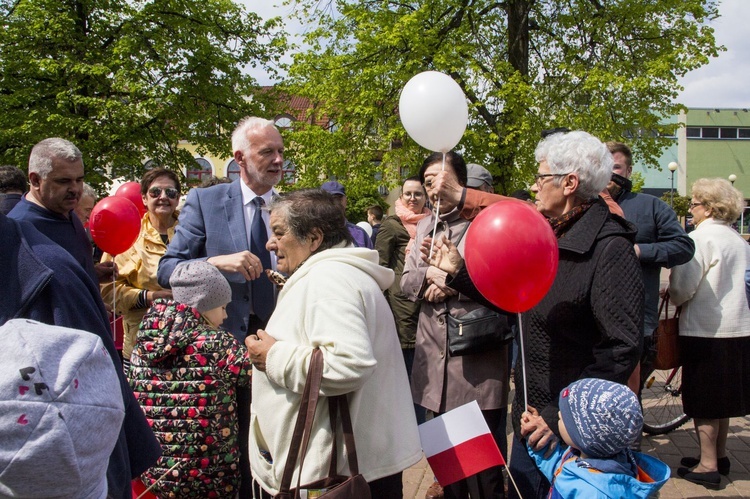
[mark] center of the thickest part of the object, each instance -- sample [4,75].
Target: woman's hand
[445,255]
[258,346]
[536,431]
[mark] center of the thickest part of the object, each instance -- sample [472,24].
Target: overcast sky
[724,82]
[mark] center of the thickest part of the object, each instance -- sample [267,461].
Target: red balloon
[511,255]
[114,224]
[132,191]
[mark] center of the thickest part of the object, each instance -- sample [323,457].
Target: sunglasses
[171,192]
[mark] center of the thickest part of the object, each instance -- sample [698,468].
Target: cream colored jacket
[335,301]
[711,286]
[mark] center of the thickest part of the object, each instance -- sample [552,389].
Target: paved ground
[669,448]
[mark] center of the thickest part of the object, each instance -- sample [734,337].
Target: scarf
[561,224]
[409,219]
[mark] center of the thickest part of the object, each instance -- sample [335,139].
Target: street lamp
[672,167]
[732,177]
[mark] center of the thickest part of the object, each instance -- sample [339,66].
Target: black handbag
[480,330]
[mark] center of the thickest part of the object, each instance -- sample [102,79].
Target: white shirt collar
[248,194]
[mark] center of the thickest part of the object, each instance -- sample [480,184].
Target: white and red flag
[459,444]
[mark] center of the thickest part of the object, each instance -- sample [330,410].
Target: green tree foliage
[606,66]
[638,181]
[680,204]
[127,80]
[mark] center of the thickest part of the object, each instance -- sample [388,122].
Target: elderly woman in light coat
[714,327]
[333,300]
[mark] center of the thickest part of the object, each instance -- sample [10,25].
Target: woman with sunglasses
[136,287]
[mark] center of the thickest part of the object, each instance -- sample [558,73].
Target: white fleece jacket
[711,286]
[335,302]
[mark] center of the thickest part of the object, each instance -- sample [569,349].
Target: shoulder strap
[303,427]
[305,416]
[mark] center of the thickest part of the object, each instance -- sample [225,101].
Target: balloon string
[113,325]
[523,364]
[437,213]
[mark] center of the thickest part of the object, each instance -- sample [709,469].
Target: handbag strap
[336,404]
[303,425]
[664,305]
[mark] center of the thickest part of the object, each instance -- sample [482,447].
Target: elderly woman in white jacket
[714,327]
[333,300]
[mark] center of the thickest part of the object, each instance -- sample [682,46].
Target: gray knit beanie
[61,410]
[601,417]
[200,285]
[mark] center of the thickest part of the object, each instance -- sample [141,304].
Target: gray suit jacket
[212,223]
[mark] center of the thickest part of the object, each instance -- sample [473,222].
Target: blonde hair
[725,201]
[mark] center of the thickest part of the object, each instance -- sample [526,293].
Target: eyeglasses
[171,192]
[415,195]
[693,205]
[539,176]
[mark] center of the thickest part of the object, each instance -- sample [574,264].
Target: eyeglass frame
[540,176]
[693,205]
[171,192]
[415,195]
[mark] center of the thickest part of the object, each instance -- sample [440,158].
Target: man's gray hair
[240,142]
[578,152]
[88,191]
[40,160]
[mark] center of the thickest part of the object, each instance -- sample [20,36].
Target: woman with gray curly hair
[714,327]
[589,323]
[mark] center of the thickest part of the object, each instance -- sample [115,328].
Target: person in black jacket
[589,323]
[43,282]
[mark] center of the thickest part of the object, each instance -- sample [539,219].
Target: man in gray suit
[227,226]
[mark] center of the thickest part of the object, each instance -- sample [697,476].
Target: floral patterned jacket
[184,374]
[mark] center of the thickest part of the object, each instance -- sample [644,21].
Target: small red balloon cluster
[511,255]
[116,220]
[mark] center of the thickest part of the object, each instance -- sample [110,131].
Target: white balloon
[434,111]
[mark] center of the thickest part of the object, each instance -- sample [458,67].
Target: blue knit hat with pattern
[602,417]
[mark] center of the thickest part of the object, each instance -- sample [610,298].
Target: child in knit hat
[185,371]
[599,420]
[61,410]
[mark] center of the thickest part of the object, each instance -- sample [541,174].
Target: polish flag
[459,444]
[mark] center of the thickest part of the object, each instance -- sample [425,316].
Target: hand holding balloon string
[445,255]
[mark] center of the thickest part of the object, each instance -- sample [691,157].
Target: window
[284,121]
[713,132]
[710,133]
[233,170]
[289,171]
[204,171]
[728,133]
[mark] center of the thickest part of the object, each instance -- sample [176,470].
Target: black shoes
[722,464]
[710,480]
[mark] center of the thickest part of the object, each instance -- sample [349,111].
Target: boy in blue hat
[599,420]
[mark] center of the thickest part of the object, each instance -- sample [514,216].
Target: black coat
[589,323]
[42,281]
